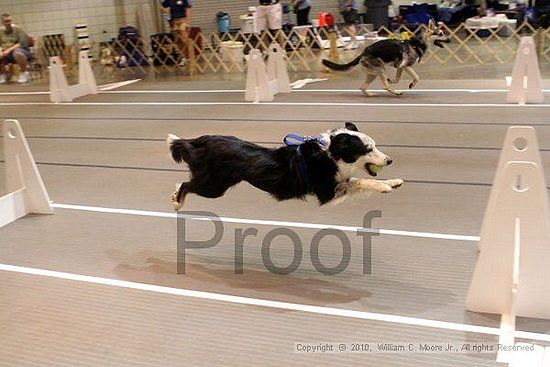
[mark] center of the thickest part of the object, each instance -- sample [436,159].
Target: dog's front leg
[398,74]
[384,79]
[414,75]
[366,186]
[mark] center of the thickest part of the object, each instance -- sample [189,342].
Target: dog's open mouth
[373,169]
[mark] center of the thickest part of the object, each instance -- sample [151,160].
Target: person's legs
[350,18]
[261,18]
[260,25]
[275,21]
[3,64]
[181,35]
[302,16]
[3,76]
[6,68]
[21,58]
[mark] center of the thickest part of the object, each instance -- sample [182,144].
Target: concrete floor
[108,151]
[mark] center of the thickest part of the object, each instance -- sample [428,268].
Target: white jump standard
[60,91]
[512,277]
[26,191]
[526,85]
[263,83]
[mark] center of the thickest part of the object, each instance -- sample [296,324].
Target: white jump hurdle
[263,83]
[526,84]
[512,275]
[26,191]
[60,91]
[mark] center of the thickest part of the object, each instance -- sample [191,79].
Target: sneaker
[23,77]
[3,79]
[183,62]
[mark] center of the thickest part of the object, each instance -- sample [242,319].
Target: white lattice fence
[305,46]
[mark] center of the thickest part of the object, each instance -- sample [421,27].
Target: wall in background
[205,11]
[204,15]
[105,17]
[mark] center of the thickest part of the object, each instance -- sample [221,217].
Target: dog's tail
[179,148]
[340,67]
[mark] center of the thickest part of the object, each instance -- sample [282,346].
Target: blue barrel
[223,22]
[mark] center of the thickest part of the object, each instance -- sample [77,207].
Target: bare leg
[366,186]
[20,60]
[365,87]
[350,30]
[414,75]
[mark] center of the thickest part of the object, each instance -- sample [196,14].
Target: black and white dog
[393,52]
[326,167]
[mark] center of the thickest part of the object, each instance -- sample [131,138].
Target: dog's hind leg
[414,75]
[365,87]
[178,197]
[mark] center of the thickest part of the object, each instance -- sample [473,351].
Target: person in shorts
[180,15]
[13,49]
[349,10]
[269,15]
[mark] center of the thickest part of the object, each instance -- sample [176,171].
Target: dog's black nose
[389,161]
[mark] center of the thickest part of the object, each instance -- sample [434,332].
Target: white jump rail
[26,191]
[60,91]
[512,275]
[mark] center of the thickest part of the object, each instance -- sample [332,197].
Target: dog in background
[326,167]
[393,52]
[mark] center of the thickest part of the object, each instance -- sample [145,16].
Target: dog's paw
[341,190]
[392,81]
[366,93]
[175,203]
[395,183]
[413,83]
[177,206]
[394,92]
[384,188]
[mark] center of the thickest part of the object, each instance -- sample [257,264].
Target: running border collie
[326,167]
[399,54]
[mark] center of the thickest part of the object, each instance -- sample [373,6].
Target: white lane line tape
[275,104]
[327,311]
[104,89]
[382,231]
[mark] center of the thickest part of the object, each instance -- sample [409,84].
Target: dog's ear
[351,126]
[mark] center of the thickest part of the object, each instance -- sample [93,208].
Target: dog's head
[354,152]
[435,34]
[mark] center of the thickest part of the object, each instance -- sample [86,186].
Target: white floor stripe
[354,91]
[328,311]
[23,93]
[105,89]
[274,104]
[390,232]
